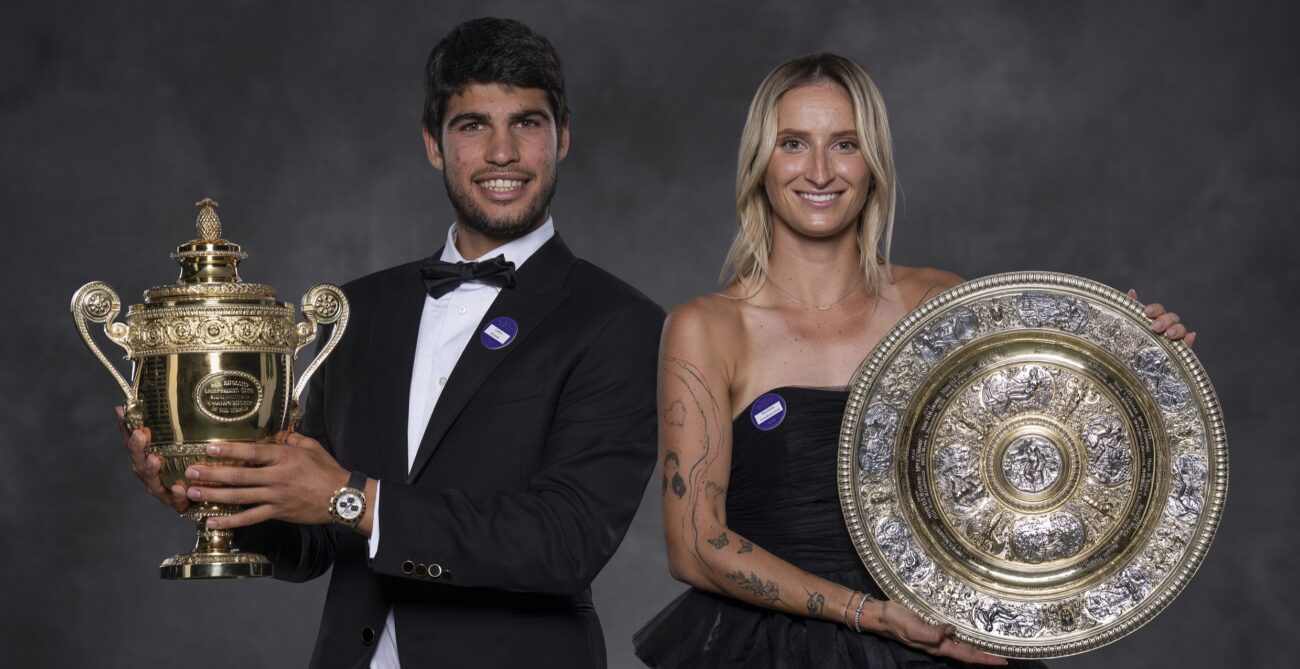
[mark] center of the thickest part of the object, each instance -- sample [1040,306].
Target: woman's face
[817,180]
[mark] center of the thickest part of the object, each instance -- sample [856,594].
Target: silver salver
[1024,459]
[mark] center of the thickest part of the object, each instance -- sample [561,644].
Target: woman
[752,517]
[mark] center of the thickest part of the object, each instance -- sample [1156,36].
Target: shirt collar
[517,250]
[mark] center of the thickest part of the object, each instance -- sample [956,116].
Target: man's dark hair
[491,51]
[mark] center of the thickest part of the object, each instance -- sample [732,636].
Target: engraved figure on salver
[1187,496]
[995,313]
[1153,368]
[1066,615]
[990,530]
[875,455]
[1022,621]
[955,329]
[1040,539]
[1019,389]
[1031,463]
[901,378]
[896,543]
[1107,602]
[1110,460]
[1064,312]
[959,482]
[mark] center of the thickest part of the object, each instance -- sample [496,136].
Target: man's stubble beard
[470,214]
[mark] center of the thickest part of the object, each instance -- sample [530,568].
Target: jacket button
[367,635]
[420,570]
[408,567]
[435,570]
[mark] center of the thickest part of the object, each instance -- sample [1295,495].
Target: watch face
[349,506]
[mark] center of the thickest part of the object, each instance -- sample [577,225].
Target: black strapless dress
[783,497]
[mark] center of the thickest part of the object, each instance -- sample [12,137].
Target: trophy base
[189,566]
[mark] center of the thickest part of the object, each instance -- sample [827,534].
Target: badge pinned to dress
[767,412]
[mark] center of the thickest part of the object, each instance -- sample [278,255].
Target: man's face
[499,148]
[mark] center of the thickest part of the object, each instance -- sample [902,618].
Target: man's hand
[147,466]
[292,481]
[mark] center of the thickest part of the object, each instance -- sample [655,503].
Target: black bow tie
[442,277]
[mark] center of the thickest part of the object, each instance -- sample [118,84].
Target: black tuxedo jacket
[529,473]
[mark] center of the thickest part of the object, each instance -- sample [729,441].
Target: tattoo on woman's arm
[745,546]
[675,414]
[721,541]
[764,590]
[816,603]
[672,468]
[697,402]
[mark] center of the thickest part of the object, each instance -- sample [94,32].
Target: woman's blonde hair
[747,261]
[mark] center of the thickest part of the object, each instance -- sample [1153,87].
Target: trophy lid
[209,265]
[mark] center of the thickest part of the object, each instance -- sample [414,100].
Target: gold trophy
[213,361]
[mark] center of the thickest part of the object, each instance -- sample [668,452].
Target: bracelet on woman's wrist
[848,604]
[857,615]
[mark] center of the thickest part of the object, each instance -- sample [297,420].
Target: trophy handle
[97,302]
[323,303]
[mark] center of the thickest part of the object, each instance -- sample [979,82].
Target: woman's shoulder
[915,285]
[711,312]
[705,334]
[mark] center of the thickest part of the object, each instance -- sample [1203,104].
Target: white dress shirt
[447,325]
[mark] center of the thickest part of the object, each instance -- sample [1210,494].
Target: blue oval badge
[767,412]
[499,333]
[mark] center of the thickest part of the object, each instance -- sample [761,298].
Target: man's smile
[502,187]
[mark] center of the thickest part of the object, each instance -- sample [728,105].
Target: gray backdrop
[1150,145]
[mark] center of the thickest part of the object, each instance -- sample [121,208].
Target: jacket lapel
[392,347]
[538,291]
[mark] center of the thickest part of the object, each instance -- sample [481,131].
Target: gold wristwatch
[348,504]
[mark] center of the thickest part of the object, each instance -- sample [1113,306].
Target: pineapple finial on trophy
[209,224]
[211,257]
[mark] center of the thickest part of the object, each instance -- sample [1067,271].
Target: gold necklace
[790,295]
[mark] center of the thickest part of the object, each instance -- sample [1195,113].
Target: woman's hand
[1167,323]
[900,623]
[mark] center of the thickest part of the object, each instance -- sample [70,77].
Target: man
[482,435]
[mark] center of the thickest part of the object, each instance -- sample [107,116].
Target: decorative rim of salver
[1126,569]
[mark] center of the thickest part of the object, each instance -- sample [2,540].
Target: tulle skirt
[703,630]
